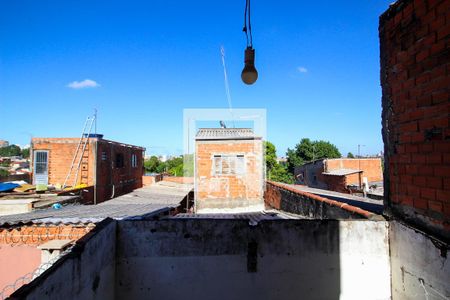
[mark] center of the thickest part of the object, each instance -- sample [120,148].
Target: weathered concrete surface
[290,199]
[16,206]
[88,272]
[229,259]
[420,266]
[375,206]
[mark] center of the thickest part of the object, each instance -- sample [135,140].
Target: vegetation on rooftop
[307,150]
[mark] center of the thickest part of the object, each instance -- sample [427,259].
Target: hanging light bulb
[249,73]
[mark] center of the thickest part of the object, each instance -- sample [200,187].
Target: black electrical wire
[247,21]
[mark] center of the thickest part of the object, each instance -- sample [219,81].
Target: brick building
[112,168]
[229,169]
[338,173]
[415,66]
[414,39]
[4,143]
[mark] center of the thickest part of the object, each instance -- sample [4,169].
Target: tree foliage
[25,152]
[275,171]
[11,150]
[176,166]
[308,150]
[271,155]
[350,155]
[152,164]
[4,173]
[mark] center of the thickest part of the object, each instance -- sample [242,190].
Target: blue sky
[318,69]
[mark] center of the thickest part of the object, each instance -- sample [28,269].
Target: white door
[40,170]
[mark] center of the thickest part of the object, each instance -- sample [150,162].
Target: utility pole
[359,162]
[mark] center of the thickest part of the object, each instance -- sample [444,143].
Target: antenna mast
[227,86]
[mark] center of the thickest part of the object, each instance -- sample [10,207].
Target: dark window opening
[119,160]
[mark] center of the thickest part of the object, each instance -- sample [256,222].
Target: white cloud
[302,69]
[87,83]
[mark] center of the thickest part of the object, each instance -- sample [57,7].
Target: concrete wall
[88,272]
[311,175]
[286,198]
[420,265]
[229,259]
[414,39]
[232,190]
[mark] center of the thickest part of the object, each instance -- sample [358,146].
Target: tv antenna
[227,86]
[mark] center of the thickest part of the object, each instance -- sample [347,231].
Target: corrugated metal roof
[341,172]
[142,202]
[225,134]
[253,218]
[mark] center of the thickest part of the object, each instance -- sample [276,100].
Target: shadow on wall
[222,259]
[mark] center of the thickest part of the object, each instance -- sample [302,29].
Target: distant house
[229,170]
[338,173]
[113,168]
[4,143]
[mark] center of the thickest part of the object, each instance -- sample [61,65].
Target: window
[119,160]
[41,162]
[228,164]
[104,156]
[133,160]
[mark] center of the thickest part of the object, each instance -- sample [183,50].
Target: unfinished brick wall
[311,174]
[414,42]
[371,167]
[61,152]
[19,254]
[228,191]
[114,181]
[110,180]
[338,183]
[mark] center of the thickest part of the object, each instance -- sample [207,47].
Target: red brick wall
[414,42]
[19,254]
[371,168]
[337,183]
[187,180]
[111,181]
[248,186]
[61,151]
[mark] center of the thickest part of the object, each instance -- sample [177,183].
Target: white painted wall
[296,259]
[420,269]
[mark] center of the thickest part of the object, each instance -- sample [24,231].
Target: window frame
[236,164]
[134,160]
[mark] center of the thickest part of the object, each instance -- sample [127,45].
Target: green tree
[275,171]
[11,150]
[151,165]
[3,173]
[188,165]
[308,150]
[293,160]
[280,173]
[271,155]
[350,155]
[25,152]
[161,168]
